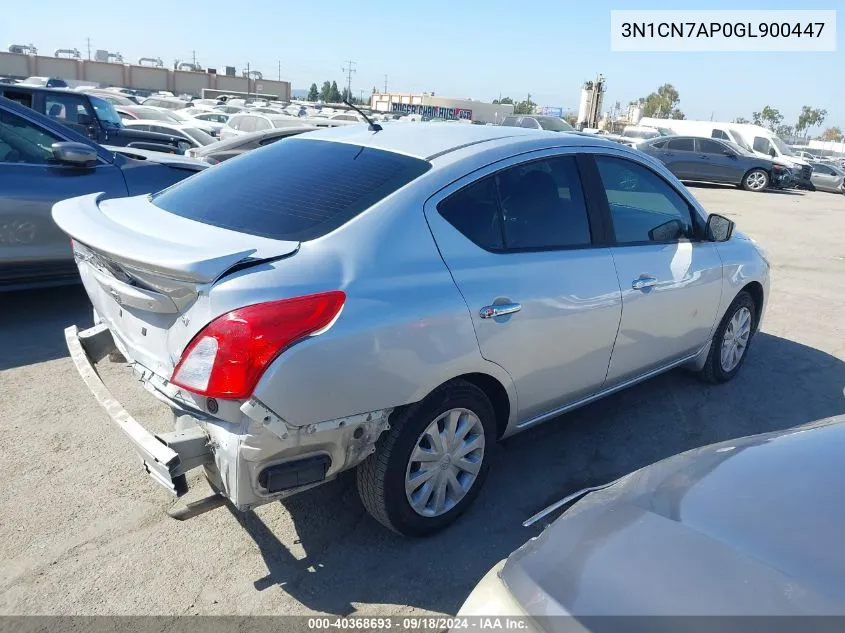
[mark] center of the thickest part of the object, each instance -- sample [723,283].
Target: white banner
[723,30]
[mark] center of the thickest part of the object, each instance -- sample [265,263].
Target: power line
[349,69]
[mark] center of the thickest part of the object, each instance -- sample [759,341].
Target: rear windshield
[295,189]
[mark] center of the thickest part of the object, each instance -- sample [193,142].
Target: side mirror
[77,154]
[84,119]
[719,228]
[729,152]
[773,153]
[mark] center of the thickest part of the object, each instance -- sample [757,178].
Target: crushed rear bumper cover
[162,462]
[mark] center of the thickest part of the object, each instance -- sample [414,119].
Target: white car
[195,136]
[245,122]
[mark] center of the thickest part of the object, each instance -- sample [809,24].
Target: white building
[432,107]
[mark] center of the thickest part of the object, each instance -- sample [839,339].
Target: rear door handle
[643,282]
[499,309]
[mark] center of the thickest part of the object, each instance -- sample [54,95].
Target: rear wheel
[430,465]
[755,180]
[731,341]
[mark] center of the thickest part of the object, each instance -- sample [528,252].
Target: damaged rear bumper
[249,454]
[166,457]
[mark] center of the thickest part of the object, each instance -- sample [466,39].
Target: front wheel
[430,465]
[731,341]
[755,180]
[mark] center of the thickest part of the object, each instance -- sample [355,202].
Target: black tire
[754,174]
[712,370]
[381,477]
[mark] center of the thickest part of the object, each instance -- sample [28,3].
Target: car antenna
[374,127]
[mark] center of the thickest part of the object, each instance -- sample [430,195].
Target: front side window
[530,123]
[24,142]
[762,145]
[643,207]
[706,146]
[535,205]
[106,112]
[720,134]
[681,145]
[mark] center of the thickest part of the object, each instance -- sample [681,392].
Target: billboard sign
[432,112]
[552,111]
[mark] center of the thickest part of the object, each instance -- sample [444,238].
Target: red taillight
[229,355]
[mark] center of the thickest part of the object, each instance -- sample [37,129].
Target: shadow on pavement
[32,323]
[351,561]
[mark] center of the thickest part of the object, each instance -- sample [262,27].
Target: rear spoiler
[82,219]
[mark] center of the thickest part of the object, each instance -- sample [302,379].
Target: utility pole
[194,53]
[280,70]
[385,84]
[349,69]
[88,40]
[247,80]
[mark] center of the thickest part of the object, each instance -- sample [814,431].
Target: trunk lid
[145,269]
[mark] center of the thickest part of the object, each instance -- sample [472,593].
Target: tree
[784,130]
[346,95]
[809,117]
[524,107]
[326,91]
[769,117]
[832,134]
[741,119]
[313,95]
[506,100]
[663,103]
[334,93]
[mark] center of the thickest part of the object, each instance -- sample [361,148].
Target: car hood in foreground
[752,526]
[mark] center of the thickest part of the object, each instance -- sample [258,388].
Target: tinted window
[643,207]
[762,145]
[681,145]
[474,211]
[706,146]
[543,204]
[529,123]
[823,169]
[322,186]
[658,144]
[260,123]
[24,142]
[720,134]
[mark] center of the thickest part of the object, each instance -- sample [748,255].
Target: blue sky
[460,49]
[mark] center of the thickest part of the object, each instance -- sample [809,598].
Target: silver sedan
[397,300]
[828,177]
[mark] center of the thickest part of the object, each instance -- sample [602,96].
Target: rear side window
[681,145]
[474,211]
[321,186]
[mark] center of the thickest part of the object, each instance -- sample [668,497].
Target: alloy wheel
[735,339]
[445,462]
[756,180]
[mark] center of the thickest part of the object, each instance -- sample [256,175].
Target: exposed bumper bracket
[167,457]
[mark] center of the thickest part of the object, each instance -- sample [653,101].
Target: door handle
[499,309]
[643,282]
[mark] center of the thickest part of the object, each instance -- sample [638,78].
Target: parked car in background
[638,132]
[193,135]
[44,82]
[245,122]
[146,113]
[42,162]
[487,246]
[829,177]
[697,159]
[230,108]
[242,143]
[805,155]
[538,122]
[170,103]
[90,116]
[746,527]
[114,98]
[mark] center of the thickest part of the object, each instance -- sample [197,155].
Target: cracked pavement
[85,531]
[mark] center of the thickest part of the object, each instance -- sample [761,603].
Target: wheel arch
[755,289]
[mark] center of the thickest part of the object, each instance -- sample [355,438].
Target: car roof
[430,140]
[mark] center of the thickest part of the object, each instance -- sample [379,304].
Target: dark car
[90,116]
[747,527]
[42,162]
[697,159]
[538,122]
[237,145]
